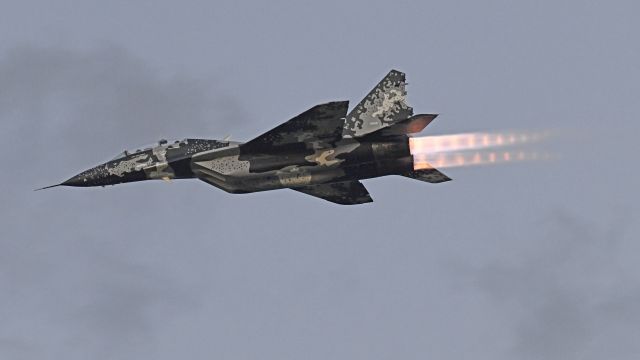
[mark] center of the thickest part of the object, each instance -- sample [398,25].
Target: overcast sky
[526,261]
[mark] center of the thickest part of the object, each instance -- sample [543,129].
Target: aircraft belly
[293,176]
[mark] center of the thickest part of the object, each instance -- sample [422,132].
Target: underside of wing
[343,193]
[322,122]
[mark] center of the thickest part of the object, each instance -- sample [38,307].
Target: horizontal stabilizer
[430,175]
[343,193]
[412,125]
[320,123]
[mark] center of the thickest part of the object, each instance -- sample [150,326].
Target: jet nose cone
[78,180]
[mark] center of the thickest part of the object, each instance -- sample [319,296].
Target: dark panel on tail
[343,193]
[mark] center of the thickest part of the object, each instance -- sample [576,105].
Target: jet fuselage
[323,152]
[163,161]
[230,167]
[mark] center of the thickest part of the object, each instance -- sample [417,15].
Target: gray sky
[528,261]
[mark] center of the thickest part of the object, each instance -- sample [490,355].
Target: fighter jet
[323,152]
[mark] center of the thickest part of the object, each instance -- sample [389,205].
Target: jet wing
[322,122]
[343,193]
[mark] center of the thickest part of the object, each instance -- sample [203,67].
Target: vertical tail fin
[385,105]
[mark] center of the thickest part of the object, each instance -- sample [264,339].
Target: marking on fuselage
[127,166]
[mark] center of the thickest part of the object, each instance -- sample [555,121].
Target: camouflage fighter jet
[323,152]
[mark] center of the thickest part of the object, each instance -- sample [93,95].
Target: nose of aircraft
[103,175]
[96,176]
[78,180]
[91,177]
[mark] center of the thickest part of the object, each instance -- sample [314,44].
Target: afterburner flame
[469,149]
[471,141]
[458,159]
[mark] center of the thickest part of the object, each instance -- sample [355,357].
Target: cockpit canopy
[139,149]
[123,154]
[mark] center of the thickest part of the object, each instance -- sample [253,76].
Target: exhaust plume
[469,149]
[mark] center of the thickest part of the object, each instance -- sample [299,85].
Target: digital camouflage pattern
[322,152]
[384,106]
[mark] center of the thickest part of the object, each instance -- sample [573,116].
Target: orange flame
[470,141]
[456,150]
[449,160]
